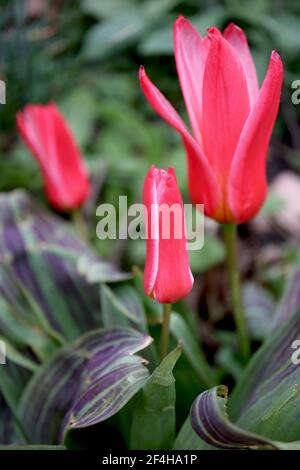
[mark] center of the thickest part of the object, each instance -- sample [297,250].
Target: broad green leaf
[44,298]
[153,422]
[267,395]
[160,41]
[8,432]
[80,110]
[259,308]
[13,379]
[290,301]
[124,29]
[121,305]
[187,439]
[96,271]
[180,330]
[210,421]
[106,8]
[210,255]
[83,384]
[18,358]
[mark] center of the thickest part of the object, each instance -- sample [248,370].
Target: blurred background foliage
[85,55]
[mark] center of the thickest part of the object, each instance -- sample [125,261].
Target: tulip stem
[230,238]
[80,224]
[165,332]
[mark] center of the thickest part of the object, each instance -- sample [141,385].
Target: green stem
[80,224]
[165,332]
[230,237]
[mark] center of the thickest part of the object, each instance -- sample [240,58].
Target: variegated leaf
[84,383]
[39,255]
[290,301]
[212,424]
[263,406]
[259,308]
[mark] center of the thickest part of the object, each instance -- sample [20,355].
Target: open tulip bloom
[49,138]
[230,116]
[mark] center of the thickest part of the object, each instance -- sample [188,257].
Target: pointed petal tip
[275,56]
[142,71]
[234,28]
[180,20]
[276,62]
[172,174]
[214,33]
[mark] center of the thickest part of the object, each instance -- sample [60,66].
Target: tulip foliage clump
[94,349]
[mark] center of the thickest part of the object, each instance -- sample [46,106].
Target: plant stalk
[80,225]
[165,332]
[230,238]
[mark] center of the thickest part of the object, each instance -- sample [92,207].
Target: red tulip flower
[49,138]
[230,116]
[167,277]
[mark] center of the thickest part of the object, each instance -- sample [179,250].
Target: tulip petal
[167,272]
[237,38]
[190,54]
[247,181]
[202,182]
[152,231]
[71,166]
[225,105]
[47,135]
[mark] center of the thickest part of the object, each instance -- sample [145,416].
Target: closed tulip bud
[167,277]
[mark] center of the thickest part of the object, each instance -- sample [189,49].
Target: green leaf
[210,420]
[153,423]
[84,383]
[106,8]
[290,301]
[41,291]
[124,29]
[268,392]
[187,439]
[13,379]
[160,41]
[259,308]
[121,305]
[210,255]
[80,110]
[180,330]
[18,358]
[96,271]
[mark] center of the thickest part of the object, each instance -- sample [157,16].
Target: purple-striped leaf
[95,271]
[210,421]
[290,301]
[84,383]
[262,410]
[259,308]
[39,255]
[121,305]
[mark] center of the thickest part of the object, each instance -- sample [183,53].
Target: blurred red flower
[49,138]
